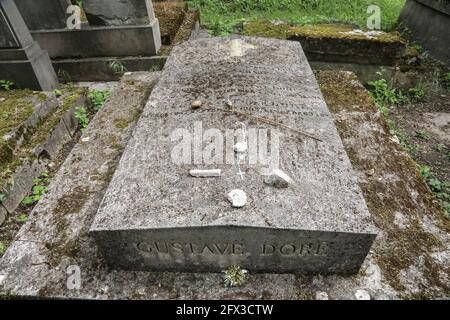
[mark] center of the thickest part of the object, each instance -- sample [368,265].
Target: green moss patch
[19,108]
[282,30]
[170,16]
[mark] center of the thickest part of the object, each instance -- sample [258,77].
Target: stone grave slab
[156,216]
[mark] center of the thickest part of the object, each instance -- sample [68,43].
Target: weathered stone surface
[143,40]
[118,12]
[335,42]
[147,220]
[7,37]
[38,269]
[44,14]
[429,25]
[22,183]
[439,5]
[25,63]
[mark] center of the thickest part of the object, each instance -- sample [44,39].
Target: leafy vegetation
[385,95]
[82,116]
[417,93]
[22,218]
[422,134]
[440,188]
[38,191]
[222,16]
[235,276]
[57,93]
[6,85]
[2,198]
[2,248]
[97,98]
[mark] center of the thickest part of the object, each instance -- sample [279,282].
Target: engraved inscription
[317,248]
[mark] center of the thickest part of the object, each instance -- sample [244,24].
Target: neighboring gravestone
[7,37]
[118,12]
[157,216]
[428,22]
[44,14]
[21,59]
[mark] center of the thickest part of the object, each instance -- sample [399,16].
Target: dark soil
[426,124]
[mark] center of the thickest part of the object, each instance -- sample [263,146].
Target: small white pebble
[362,295]
[322,296]
[237,198]
[2,279]
[206,173]
[127,73]
[240,147]
[85,139]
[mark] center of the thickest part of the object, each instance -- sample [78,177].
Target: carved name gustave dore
[317,248]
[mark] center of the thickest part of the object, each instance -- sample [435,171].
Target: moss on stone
[170,16]
[22,100]
[400,247]
[70,98]
[15,108]
[267,29]
[263,28]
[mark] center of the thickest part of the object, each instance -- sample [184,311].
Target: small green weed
[422,134]
[38,191]
[97,98]
[6,85]
[417,93]
[22,218]
[82,116]
[235,276]
[441,189]
[2,248]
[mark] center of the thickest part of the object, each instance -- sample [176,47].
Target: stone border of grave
[35,141]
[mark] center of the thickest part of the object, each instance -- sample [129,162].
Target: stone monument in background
[118,12]
[428,22]
[22,60]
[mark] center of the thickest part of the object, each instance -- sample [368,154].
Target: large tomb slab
[156,216]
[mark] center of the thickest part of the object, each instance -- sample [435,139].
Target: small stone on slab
[240,147]
[237,198]
[278,179]
[197,104]
[206,173]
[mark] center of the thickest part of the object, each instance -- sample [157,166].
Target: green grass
[222,15]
